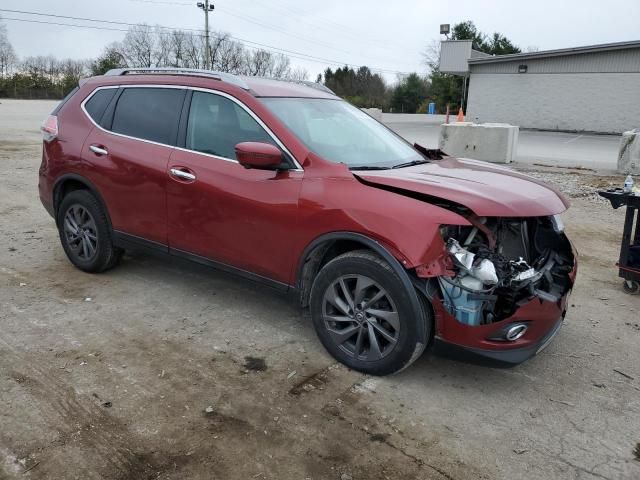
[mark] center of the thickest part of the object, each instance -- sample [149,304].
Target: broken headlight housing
[502,263]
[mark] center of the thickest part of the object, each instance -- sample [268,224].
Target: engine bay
[499,264]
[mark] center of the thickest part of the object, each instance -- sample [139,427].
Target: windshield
[339,132]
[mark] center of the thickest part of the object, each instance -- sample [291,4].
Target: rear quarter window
[97,104]
[149,114]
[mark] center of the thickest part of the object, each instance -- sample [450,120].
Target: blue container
[432,108]
[458,301]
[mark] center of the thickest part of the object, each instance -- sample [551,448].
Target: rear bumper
[48,206]
[512,356]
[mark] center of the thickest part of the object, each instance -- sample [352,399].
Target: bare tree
[8,58]
[178,48]
[193,47]
[161,55]
[139,46]
[431,56]
[280,66]
[298,73]
[230,57]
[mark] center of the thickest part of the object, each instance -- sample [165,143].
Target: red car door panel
[132,180]
[233,215]
[220,210]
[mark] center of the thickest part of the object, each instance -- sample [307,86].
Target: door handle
[182,174]
[98,150]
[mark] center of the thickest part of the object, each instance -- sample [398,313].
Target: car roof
[270,87]
[257,86]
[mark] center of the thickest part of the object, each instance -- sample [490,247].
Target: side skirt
[132,242]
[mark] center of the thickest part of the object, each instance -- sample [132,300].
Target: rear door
[126,156]
[220,210]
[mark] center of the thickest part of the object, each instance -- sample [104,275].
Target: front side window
[149,113]
[339,132]
[216,125]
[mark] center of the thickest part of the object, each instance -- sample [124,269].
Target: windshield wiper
[368,167]
[411,163]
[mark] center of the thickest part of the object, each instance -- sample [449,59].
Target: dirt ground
[165,370]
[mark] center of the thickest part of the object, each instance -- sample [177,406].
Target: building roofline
[605,47]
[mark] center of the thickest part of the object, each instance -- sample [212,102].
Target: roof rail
[195,72]
[307,83]
[315,85]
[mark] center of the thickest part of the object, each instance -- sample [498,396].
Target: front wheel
[362,314]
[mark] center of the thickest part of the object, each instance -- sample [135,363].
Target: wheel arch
[70,182]
[316,254]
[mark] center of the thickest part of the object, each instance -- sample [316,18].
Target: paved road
[597,152]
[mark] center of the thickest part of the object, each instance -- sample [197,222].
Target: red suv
[390,245]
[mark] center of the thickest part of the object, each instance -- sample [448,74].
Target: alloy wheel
[361,317]
[81,232]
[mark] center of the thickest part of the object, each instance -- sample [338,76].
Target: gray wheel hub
[361,317]
[80,232]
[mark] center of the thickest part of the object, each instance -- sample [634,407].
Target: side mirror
[259,155]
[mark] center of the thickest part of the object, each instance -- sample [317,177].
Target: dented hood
[488,190]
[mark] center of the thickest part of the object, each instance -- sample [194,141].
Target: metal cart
[629,263]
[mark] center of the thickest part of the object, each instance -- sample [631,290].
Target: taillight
[50,128]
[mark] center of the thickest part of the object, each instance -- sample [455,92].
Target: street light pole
[206,7]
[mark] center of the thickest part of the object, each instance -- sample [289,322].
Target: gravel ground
[161,369]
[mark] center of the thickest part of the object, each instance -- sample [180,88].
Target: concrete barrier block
[629,153]
[491,142]
[374,112]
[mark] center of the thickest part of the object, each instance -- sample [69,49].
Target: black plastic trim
[87,183]
[133,242]
[230,269]
[106,120]
[128,241]
[184,119]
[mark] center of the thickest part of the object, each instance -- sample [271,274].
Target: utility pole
[206,7]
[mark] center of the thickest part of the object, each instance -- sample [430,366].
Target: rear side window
[98,103]
[149,113]
[216,125]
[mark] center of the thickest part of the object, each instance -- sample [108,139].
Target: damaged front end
[504,289]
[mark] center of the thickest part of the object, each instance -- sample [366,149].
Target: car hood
[488,190]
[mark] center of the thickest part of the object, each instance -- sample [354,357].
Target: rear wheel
[362,313]
[631,287]
[85,234]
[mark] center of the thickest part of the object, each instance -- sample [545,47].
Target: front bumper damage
[501,291]
[544,323]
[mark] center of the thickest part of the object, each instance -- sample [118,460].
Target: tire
[85,234]
[377,304]
[631,287]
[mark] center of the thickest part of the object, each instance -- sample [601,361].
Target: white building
[594,88]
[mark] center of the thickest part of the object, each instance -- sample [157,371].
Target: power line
[292,53]
[326,24]
[302,17]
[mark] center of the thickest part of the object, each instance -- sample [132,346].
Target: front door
[219,210]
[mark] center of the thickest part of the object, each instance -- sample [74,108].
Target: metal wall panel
[454,55]
[616,61]
[594,102]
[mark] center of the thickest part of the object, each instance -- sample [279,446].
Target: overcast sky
[388,35]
